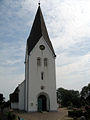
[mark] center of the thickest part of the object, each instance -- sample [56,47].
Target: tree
[62,96]
[1,99]
[75,98]
[85,95]
[68,97]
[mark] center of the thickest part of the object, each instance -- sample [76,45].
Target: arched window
[45,62]
[42,75]
[39,61]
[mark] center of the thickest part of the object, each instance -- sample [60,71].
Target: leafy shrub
[11,116]
[87,113]
[75,113]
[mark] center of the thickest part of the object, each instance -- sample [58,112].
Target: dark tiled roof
[14,97]
[38,30]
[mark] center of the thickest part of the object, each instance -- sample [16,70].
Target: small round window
[42,87]
[42,47]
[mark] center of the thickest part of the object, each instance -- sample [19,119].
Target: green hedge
[75,113]
[87,114]
[11,116]
[79,113]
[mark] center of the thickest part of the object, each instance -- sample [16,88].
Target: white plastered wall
[14,105]
[35,81]
[22,96]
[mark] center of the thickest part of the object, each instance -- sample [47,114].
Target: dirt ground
[60,115]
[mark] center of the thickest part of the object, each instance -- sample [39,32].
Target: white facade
[21,96]
[35,82]
[38,91]
[14,105]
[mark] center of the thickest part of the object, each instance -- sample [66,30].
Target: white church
[38,91]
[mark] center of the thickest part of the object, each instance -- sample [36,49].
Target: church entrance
[42,103]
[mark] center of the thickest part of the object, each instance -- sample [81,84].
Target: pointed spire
[38,30]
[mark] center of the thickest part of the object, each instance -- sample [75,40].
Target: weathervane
[39,3]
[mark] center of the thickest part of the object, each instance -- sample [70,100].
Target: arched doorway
[42,103]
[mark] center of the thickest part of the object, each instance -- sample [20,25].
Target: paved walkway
[60,115]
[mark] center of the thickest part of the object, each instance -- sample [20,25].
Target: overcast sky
[68,25]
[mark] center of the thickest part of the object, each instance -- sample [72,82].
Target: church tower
[38,91]
[40,78]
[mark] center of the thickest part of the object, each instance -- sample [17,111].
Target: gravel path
[60,115]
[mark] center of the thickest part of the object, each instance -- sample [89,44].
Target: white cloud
[9,81]
[76,74]
[68,21]
[68,24]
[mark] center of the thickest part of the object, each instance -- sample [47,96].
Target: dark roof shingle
[38,30]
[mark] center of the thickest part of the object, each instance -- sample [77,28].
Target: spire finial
[39,3]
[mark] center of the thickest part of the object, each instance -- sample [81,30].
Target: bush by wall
[75,113]
[11,116]
[87,113]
